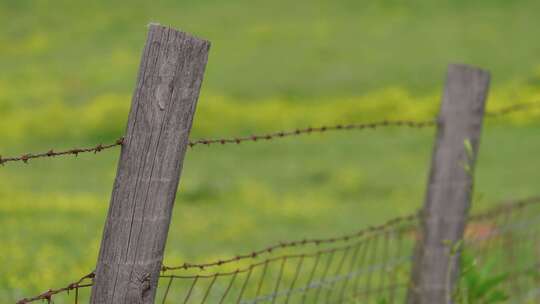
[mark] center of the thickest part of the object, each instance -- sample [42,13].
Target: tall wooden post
[163,105]
[450,186]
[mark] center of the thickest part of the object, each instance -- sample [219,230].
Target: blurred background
[68,70]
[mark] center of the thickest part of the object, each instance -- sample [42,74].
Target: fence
[369,266]
[414,258]
[409,123]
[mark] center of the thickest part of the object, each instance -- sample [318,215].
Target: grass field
[67,75]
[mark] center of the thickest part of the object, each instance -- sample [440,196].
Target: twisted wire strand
[414,124]
[263,263]
[47,296]
[505,207]
[310,130]
[233,140]
[319,241]
[51,153]
[517,107]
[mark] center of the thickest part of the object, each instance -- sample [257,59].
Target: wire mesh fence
[504,244]
[364,266]
[370,266]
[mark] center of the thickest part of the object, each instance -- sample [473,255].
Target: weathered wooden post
[450,186]
[163,105]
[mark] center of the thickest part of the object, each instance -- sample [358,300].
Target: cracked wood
[159,123]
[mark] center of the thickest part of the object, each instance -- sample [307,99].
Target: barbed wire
[383,254]
[282,245]
[518,107]
[504,207]
[310,130]
[233,140]
[488,226]
[261,263]
[51,153]
[47,296]
[414,124]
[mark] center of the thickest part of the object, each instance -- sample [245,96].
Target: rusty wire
[382,255]
[271,249]
[51,153]
[257,253]
[372,254]
[261,263]
[505,207]
[517,107]
[332,276]
[502,208]
[310,130]
[48,295]
[415,124]
[233,140]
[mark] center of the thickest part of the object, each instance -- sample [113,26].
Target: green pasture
[68,70]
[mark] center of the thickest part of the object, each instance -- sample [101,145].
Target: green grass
[74,51]
[68,71]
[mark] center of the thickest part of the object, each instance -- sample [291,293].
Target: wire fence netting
[369,266]
[505,243]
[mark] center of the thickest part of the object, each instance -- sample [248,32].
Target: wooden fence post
[450,185]
[163,105]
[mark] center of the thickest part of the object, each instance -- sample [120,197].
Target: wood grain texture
[163,105]
[450,185]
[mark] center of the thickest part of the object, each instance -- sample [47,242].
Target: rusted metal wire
[311,130]
[505,207]
[51,153]
[47,296]
[373,255]
[415,124]
[263,263]
[257,253]
[517,107]
[233,140]
[271,249]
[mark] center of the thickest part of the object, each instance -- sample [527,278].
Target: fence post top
[154,26]
[466,68]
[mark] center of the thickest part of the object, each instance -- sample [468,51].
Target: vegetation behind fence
[95,111]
